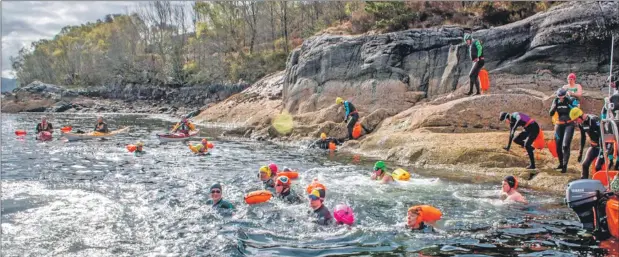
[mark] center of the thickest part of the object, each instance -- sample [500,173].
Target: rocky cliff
[409,85]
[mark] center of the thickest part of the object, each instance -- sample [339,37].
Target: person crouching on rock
[44,126]
[589,124]
[351,112]
[509,192]
[101,126]
[526,137]
[380,173]
[477,56]
[564,128]
[324,141]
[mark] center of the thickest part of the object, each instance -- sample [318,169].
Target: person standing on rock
[591,125]
[564,128]
[351,112]
[573,89]
[477,56]
[526,137]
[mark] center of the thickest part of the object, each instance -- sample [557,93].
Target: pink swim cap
[273,168]
[344,214]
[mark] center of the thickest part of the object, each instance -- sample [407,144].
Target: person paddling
[44,126]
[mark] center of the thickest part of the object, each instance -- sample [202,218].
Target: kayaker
[509,192]
[380,173]
[526,137]
[321,213]
[564,128]
[573,89]
[217,200]
[477,56]
[351,112]
[139,149]
[44,126]
[265,176]
[324,141]
[284,191]
[184,126]
[101,126]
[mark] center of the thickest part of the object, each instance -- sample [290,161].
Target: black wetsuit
[475,51]
[290,196]
[526,137]
[351,112]
[564,129]
[590,126]
[323,215]
[41,128]
[102,127]
[324,144]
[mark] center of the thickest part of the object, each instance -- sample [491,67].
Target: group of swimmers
[280,187]
[568,114]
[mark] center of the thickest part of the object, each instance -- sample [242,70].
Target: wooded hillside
[178,44]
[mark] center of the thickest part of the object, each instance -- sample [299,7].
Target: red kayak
[44,136]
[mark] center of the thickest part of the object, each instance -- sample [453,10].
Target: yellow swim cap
[339,100]
[323,136]
[140,143]
[575,113]
[265,169]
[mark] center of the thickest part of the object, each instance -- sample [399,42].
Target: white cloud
[26,22]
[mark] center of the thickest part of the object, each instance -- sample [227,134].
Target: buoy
[344,214]
[20,132]
[555,118]
[314,185]
[210,145]
[289,174]
[484,80]
[602,177]
[66,129]
[356,131]
[552,147]
[259,196]
[426,213]
[400,174]
[539,142]
[332,146]
[612,212]
[132,148]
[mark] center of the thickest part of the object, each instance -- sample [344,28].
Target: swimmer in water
[381,174]
[413,221]
[323,215]
[509,192]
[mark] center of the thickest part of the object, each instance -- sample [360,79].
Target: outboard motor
[587,197]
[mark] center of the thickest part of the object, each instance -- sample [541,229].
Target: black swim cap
[503,116]
[511,181]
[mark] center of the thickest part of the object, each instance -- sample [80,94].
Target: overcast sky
[25,22]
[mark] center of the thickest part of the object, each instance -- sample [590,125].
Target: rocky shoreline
[129,98]
[408,87]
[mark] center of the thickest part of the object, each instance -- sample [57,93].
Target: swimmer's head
[509,182]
